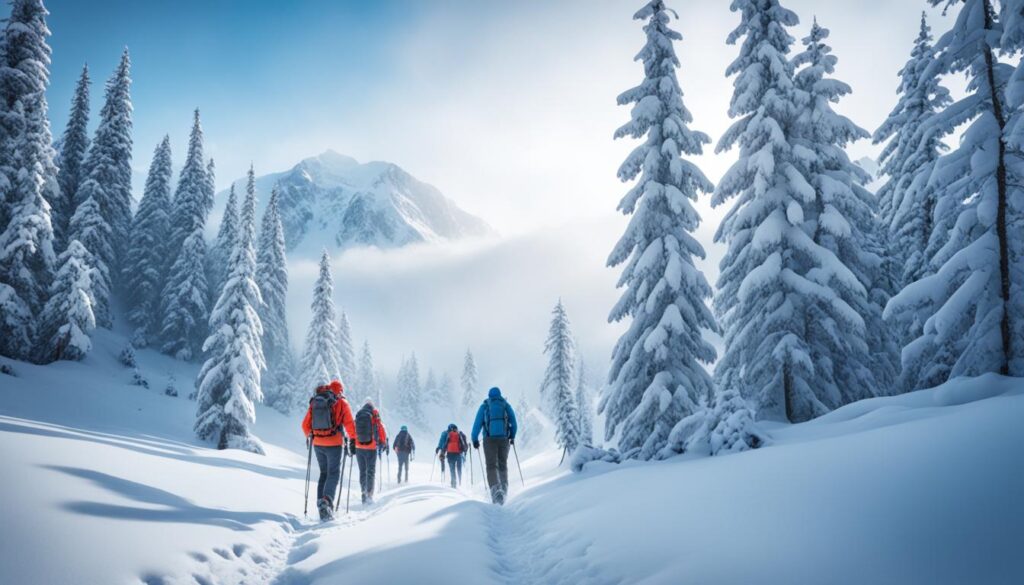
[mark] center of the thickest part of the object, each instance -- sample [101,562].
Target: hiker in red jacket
[369,429]
[453,446]
[327,415]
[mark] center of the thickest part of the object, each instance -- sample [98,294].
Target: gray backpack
[321,408]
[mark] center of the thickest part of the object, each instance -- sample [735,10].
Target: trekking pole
[309,460]
[517,465]
[432,466]
[349,497]
[380,476]
[472,482]
[341,479]
[389,467]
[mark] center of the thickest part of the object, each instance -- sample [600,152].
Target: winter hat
[368,402]
[337,387]
[494,392]
[405,428]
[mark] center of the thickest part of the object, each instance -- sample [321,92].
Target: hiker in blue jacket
[498,422]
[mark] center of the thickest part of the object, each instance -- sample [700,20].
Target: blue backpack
[496,418]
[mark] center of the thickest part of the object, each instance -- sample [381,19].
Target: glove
[436,451]
[351,447]
[387,450]
[511,441]
[476,444]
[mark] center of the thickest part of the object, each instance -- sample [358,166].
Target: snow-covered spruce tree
[189,211]
[409,400]
[71,159]
[772,272]
[842,221]
[89,229]
[971,307]
[67,320]
[320,363]
[657,375]
[145,258]
[556,391]
[430,388]
[446,391]
[585,404]
[184,301]
[346,353]
[26,157]
[229,383]
[220,253]
[471,393]
[272,278]
[210,190]
[367,382]
[906,200]
[108,170]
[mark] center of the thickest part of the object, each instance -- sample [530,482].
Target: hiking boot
[326,509]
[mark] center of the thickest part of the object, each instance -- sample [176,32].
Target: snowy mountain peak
[333,201]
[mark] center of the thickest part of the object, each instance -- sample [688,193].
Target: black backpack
[402,442]
[364,425]
[321,408]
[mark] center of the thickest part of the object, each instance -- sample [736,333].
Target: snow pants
[367,460]
[403,463]
[496,453]
[455,467]
[329,460]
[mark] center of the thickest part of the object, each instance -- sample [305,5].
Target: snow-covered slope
[104,483]
[333,201]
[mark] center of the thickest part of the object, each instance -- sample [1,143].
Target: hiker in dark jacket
[452,446]
[369,429]
[404,447]
[497,420]
[325,430]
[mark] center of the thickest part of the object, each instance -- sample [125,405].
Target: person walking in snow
[497,420]
[452,445]
[369,429]
[405,448]
[327,415]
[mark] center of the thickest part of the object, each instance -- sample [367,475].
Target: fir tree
[585,405]
[73,149]
[657,373]
[147,247]
[185,309]
[409,402]
[320,363]
[842,222]
[446,391]
[67,319]
[431,388]
[346,354]
[108,168]
[556,390]
[190,210]
[229,383]
[906,201]
[89,229]
[470,385]
[272,278]
[26,161]
[367,379]
[971,306]
[220,254]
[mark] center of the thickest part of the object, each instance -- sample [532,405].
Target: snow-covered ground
[103,483]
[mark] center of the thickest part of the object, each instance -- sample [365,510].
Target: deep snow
[104,483]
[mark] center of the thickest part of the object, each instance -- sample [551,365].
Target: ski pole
[517,465]
[309,461]
[349,497]
[380,476]
[389,467]
[471,480]
[432,466]
[341,479]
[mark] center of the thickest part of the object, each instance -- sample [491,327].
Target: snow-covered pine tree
[556,391]
[446,391]
[842,222]
[67,320]
[430,388]
[367,382]
[190,211]
[184,307]
[409,400]
[223,247]
[971,308]
[272,278]
[320,363]
[657,374]
[108,169]
[585,404]
[89,229]
[73,149]
[145,259]
[210,184]
[26,157]
[346,352]
[229,383]
[471,393]
[906,201]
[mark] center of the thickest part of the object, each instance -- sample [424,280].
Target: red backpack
[455,443]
